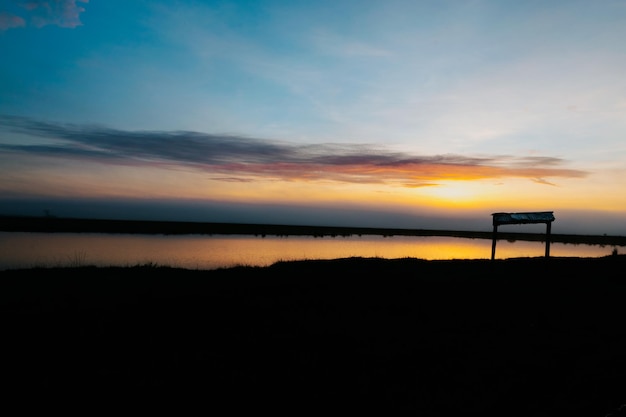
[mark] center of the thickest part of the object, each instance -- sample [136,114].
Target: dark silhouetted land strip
[78,225]
[514,337]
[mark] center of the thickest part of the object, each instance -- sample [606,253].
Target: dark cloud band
[239,158]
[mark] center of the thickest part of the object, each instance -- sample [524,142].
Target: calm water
[18,250]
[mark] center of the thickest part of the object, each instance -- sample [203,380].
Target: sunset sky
[413,114]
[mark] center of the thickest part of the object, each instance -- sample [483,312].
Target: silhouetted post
[548,227]
[493,243]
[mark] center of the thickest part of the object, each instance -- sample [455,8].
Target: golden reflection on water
[18,250]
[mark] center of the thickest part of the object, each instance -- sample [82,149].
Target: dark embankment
[76,225]
[517,337]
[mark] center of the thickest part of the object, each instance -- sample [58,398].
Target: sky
[411,114]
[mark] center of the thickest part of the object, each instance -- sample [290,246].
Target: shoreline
[80,225]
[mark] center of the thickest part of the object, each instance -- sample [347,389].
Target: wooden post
[548,228]
[493,243]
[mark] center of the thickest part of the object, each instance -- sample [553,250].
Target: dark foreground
[518,337]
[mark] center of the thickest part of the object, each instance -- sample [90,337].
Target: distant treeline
[78,225]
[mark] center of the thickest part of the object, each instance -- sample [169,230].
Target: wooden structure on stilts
[546,217]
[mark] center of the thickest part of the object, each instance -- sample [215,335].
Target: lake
[26,250]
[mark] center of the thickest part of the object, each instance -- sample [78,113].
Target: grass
[77,259]
[515,337]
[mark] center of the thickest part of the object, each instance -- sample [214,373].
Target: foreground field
[516,337]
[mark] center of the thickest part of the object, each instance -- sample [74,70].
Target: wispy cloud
[39,13]
[238,158]
[8,21]
[332,44]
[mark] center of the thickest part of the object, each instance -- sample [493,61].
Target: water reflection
[18,250]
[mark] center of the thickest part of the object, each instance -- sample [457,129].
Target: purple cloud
[8,21]
[40,13]
[238,158]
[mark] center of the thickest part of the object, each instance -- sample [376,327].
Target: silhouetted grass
[514,337]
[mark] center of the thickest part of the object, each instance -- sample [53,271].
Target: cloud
[8,21]
[239,158]
[542,181]
[329,43]
[40,13]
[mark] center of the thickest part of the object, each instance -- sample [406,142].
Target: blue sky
[436,108]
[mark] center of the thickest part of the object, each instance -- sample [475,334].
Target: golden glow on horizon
[458,193]
[54,177]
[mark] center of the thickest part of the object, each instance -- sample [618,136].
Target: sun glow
[452,193]
[466,194]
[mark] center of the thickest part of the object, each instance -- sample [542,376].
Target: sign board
[522,218]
